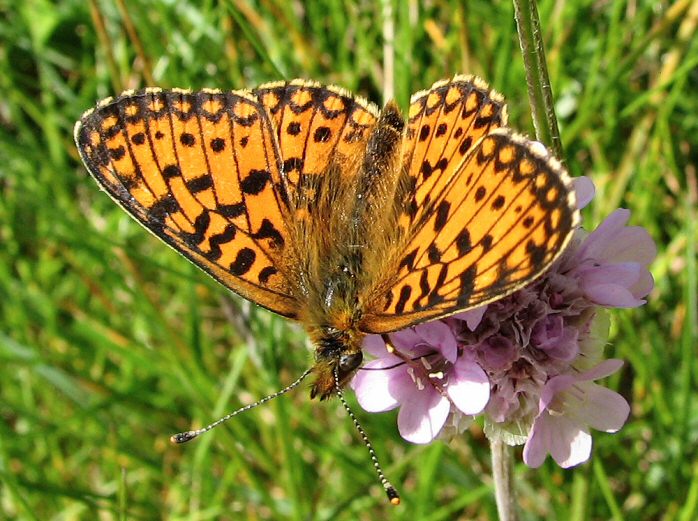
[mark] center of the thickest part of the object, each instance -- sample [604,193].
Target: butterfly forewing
[202,172]
[321,131]
[497,224]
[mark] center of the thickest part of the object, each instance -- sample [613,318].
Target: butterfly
[317,205]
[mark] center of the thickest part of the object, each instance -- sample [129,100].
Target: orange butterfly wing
[493,221]
[201,171]
[321,130]
[443,125]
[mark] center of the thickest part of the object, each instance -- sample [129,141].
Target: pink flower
[569,405]
[557,340]
[584,190]
[425,382]
[611,263]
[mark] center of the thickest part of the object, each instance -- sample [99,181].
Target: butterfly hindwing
[200,170]
[498,223]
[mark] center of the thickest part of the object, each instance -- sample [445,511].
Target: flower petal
[555,385]
[472,317]
[595,244]
[613,284]
[374,345]
[439,335]
[409,342]
[631,244]
[612,295]
[540,438]
[584,190]
[421,418]
[378,389]
[570,443]
[567,442]
[644,284]
[604,369]
[620,273]
[468,386]
[602,409]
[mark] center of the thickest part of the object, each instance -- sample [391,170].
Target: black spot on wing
[405,293]
[293,163]
[160,210]
[426,169]
[243,262]
[423,287]
[231,210]
[294,128]
[322,134]
[199,184]
[255,182]
[217,240]
[266,273]
[268,231]
[441,216]
[463,242]
[187,139]
[424,132]
[117,153]
[434,254]
[218,144]
[498,203]
[201,224]
[408,260]
[467,284]
[171,171]
[536,253]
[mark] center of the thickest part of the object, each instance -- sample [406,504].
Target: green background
[110,341]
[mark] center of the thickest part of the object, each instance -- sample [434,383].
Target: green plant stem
[545,124]
[503,476]
[537,80]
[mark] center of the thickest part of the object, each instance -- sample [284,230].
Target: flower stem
[503,475]
[537,80]
[545,123]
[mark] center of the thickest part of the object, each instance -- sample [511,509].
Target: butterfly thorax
[350,235]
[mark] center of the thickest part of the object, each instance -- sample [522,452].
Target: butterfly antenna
[183,437]
[390,490]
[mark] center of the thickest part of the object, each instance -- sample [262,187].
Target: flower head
[427,378]
[526,363]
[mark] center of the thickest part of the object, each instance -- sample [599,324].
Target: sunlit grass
[110,342]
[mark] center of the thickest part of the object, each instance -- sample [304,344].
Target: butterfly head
[337,357]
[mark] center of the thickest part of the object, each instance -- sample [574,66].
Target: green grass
[110,342]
